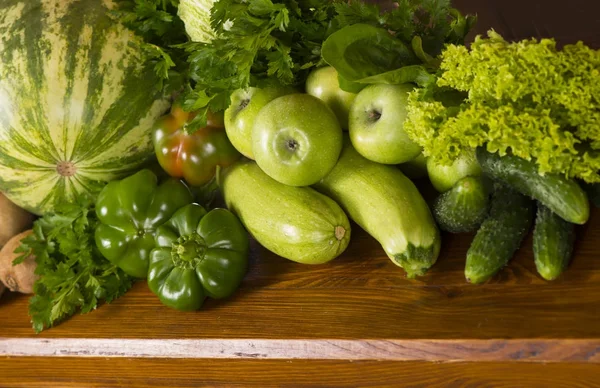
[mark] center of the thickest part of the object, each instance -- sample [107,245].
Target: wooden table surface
[356,321]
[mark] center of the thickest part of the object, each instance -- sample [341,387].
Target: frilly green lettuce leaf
[528,98]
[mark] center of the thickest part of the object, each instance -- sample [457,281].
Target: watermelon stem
[66,169]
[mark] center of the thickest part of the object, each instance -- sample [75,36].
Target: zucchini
[500,235]
[464,207]
[297,223]
[553,240]
[561,195]
[388,206]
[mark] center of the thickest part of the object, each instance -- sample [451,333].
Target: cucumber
[500,235]
[297,223]
[553,240]
[561,195]
[443,178]
[388,206]
[464,207]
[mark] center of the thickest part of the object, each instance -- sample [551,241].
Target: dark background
[566,20]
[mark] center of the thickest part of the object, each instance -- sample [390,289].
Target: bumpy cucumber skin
[553,240]
[464,207]
[561,195]
[297,223]
[388,206]
[500,235]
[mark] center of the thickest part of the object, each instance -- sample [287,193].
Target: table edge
[457,350]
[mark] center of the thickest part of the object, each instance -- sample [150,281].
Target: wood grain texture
[550,311]
[107,373]
[359,297]
[367,298]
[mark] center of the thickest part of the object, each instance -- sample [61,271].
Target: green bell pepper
[198,255]
[130,211]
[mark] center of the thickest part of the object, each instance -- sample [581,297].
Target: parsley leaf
[73,275]
[161,30]
[354,12]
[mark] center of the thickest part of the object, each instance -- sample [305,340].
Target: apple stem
[340,232]
[374,115]
[244,104]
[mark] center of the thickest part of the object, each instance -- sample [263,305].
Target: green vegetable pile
[305,115]
[93,250]
[529,111]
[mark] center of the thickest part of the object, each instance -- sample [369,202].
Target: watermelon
[77,100]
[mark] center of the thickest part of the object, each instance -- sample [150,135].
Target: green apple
[376,124]
[323,84]
[296,139]
[443,178]
[241,114]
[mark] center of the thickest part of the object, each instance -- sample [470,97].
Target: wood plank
[548,350]
[106,373]
[360,295]
[544,311]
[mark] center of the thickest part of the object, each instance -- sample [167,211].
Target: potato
[13,219]
[19,278]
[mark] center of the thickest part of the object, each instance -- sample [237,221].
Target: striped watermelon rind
[77,100]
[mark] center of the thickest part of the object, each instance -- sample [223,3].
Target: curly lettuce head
[528,98]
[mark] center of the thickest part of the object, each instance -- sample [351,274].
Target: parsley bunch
[259,42]
[262,42]
[73,275]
